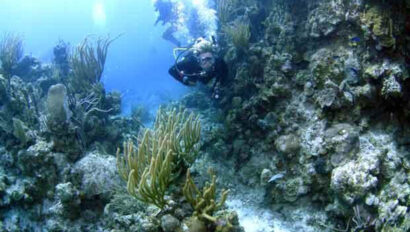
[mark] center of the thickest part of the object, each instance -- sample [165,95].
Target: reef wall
[317,108]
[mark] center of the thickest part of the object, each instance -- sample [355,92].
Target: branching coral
[203,202]
[184,133]
[361,224]
[82,109]
[147,171]
[224,8]
[88,60]
[19,131]
[11,51]
[162,154]
[239,34]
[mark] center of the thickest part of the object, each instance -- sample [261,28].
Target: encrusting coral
[379,24]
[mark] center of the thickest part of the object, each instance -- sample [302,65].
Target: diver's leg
[168,35]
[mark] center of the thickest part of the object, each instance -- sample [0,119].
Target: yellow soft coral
[162,154]
[203,202]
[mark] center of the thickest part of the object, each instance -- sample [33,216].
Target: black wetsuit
[165,12]
[192,70]
[167,15]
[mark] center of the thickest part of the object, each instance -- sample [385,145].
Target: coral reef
[310,133]
[57,169]
[153,170]
[318,106]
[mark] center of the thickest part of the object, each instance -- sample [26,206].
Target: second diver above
[201,64]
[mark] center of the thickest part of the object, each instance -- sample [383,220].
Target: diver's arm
[179,76]
[220,78]
[179,70]
[219,72]
[222,72]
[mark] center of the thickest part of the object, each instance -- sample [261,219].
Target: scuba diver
[200,64]
[167,14]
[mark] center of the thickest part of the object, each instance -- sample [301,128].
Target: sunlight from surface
[99,15]
[198,2]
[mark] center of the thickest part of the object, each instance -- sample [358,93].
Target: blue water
[137,63]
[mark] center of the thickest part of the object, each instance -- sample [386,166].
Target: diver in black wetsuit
[165,11]
[167,14]
[201,64]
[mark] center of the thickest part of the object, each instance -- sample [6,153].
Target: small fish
[276,177]
[354,70]
[221,222]
[355,39]
[352,75]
